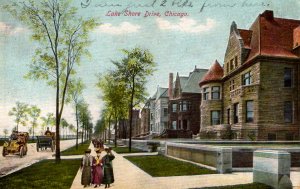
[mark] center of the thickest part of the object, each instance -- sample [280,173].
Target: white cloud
[8,29]
[187,25]
[123,28]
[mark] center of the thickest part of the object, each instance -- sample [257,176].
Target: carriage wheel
[4,152]
[25,150]
[52,148]
[21,151]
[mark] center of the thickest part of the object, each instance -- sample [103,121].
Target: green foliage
[20,112]
[80,151]
[49,120]
[34,113]
[63,39]
[5,131]
[122,150]
[161,166]
[45,174]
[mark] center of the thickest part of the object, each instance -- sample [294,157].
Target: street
[12,163]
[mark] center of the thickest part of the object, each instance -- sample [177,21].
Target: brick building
[123,129]
[256,94]
[145,119]
[184,101]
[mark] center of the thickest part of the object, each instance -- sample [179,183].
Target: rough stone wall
[272,96]
[209,105]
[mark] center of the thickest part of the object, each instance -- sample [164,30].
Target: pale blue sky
[178,44]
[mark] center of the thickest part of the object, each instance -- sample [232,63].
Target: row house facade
[184,101]
[255,95]
[159,111]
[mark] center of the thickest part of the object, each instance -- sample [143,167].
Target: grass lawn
[73,151]
[45,174]
[122,150]
[242,186]
[161,166]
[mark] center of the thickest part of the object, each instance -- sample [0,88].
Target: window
[231,83]
[247,79]
[288,77]
[249,111]
[228,116]
[151,116]
[215,118]
[288,112]
[227,67]
[231,64]
[236,113]
[215,93]
[184,106]
[174,124]
[289,136]
[205,93]
[236,61]
[174,107]
[165,111]
[272,136]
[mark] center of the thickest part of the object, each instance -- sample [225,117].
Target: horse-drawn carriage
[17,144]
[47,141]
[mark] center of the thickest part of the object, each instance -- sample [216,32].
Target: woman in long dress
[108,176]
[86,166]
[97,169]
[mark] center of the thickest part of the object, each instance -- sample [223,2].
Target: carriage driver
[48,133]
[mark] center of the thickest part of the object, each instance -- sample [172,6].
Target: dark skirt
[86,175]
[108,176]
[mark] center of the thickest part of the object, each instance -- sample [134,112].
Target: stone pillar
[224,160]
[272,168]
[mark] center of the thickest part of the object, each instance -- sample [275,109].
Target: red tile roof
[215,73]
[271,36]
[246,36]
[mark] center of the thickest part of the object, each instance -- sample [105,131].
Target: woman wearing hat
[97,169]
[86,166]
[108,176]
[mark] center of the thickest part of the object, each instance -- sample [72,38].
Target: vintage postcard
[150,94]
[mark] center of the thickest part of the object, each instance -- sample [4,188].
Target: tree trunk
[109,133]
[116,122]
[131,111]
[57,119]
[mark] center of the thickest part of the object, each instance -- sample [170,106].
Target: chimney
[268,14]
[170,91]
[296,37]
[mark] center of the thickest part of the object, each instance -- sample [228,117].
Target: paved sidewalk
[128,176]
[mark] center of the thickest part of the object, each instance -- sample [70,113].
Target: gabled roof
[183,80]
[215,73]
[270,36]
[191,85]
[161,92]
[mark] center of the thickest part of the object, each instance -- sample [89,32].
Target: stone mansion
[256,94]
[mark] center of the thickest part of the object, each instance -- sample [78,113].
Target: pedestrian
[86,165]
[108,176]
[97,169]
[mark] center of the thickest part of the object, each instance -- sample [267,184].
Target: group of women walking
[97,170]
